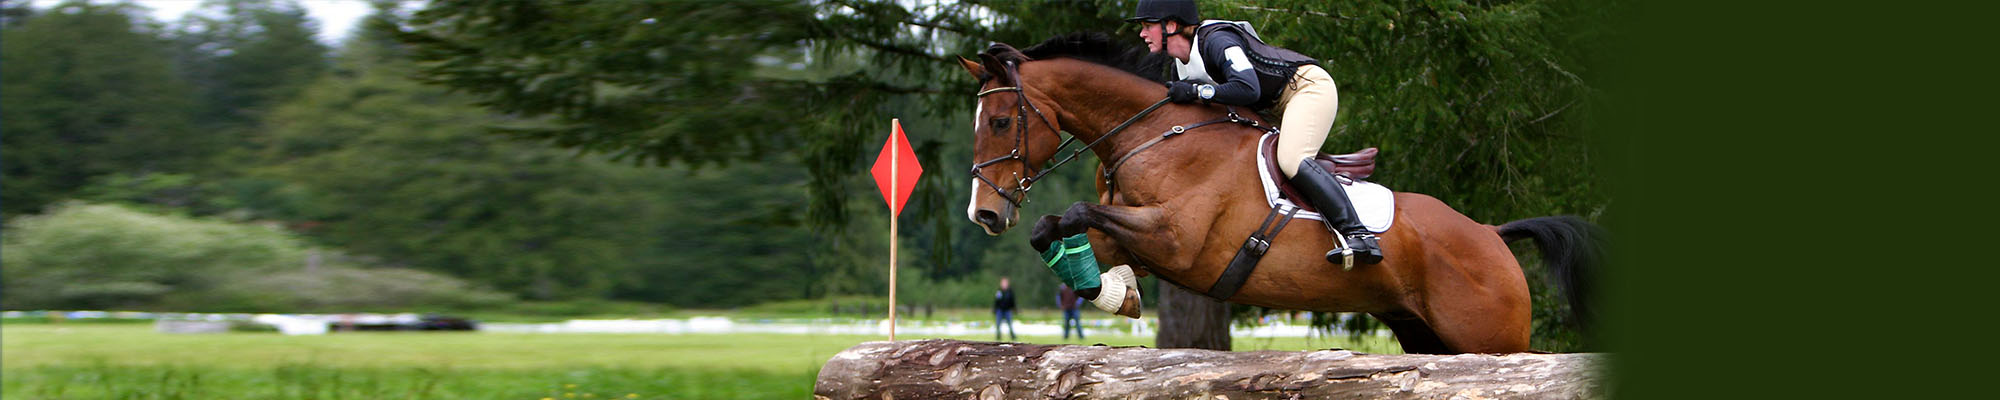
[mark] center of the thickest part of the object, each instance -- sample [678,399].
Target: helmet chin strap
[1160,30]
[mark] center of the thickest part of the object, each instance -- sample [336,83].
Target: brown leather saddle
[1357,165]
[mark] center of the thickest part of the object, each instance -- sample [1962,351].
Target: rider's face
[1159,37]
[1152,32]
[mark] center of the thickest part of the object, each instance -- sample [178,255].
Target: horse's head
[1011,135]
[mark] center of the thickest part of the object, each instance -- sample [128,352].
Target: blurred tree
[88,92]
[403,171]
[245,56]
[400,171]
[14,12]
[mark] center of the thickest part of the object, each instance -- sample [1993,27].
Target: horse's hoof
[1131,307]
[1120,292]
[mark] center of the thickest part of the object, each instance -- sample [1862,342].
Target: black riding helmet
[1160,10]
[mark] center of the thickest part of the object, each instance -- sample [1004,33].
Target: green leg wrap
[1073,262]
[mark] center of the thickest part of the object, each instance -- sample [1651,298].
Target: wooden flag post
[893,161]
[895,183]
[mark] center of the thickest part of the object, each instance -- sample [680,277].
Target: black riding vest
[1274,65]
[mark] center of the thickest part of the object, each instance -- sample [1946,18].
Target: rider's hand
[1182,92]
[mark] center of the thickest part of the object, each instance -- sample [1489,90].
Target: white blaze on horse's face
[972,209]
[972,202]
[1005,217]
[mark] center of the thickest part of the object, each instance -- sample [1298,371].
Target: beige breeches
[1307,105]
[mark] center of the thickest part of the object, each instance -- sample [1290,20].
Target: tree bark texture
[954,369]
[1189,320]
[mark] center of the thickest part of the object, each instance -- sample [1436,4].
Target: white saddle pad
[1374,203]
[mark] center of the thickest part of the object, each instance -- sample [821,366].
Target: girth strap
[1252,251]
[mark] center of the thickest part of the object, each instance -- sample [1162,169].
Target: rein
[1111,185]
[1023,106]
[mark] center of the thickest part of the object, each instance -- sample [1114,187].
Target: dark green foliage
[88,91]
[406,172]
[246,56]
[649,81]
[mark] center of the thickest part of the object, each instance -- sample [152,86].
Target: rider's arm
[1238,85]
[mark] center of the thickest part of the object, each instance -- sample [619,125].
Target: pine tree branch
[1285,11]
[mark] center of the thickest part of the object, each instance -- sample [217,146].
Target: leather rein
[1019,194]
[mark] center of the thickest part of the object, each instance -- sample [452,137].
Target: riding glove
[1182,92]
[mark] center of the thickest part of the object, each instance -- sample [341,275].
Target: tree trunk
[1189,320]
[942,368]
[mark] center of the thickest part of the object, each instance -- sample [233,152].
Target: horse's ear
[996,68]
[973,67]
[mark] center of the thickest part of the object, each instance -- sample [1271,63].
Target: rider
[1225,62]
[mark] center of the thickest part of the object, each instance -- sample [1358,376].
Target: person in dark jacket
[1003,311]
[1072,315]
[1225,62]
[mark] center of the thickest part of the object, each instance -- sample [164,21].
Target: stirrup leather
[1346,251]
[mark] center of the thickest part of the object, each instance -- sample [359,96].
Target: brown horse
[1182,207]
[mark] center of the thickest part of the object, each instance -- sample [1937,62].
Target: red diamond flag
[896,169]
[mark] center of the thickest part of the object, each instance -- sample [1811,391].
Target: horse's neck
[1097,118]
[1095,99]
[1219,147]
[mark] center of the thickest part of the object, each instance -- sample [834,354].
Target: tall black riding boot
[1326,194]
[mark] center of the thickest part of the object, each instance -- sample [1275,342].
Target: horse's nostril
[987,217]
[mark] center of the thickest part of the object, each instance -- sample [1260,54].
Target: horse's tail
[1572,248]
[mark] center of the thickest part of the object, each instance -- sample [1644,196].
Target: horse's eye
[999,124]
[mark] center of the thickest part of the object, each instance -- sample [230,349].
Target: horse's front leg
[1142,230]
[1069,251]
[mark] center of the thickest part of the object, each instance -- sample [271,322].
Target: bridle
[1019,194]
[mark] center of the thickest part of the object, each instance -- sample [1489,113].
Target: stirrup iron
[1340,246]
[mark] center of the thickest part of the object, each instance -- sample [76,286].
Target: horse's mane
[1093,47]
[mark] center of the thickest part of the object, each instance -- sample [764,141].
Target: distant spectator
[1003,311]
[1071,316]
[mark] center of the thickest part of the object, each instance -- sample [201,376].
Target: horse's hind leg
[1415,336]
[1481,323]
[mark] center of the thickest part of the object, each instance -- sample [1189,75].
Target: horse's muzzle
[993,221]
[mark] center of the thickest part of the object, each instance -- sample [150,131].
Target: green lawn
[44,361]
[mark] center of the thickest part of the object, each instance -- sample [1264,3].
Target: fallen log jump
[955,369]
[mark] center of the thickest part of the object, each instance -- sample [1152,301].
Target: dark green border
[1791,184]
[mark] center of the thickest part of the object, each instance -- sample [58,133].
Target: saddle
[1357,165]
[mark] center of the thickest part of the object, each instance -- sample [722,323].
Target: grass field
[130,361]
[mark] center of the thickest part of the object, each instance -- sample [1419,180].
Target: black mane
[1094,47]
